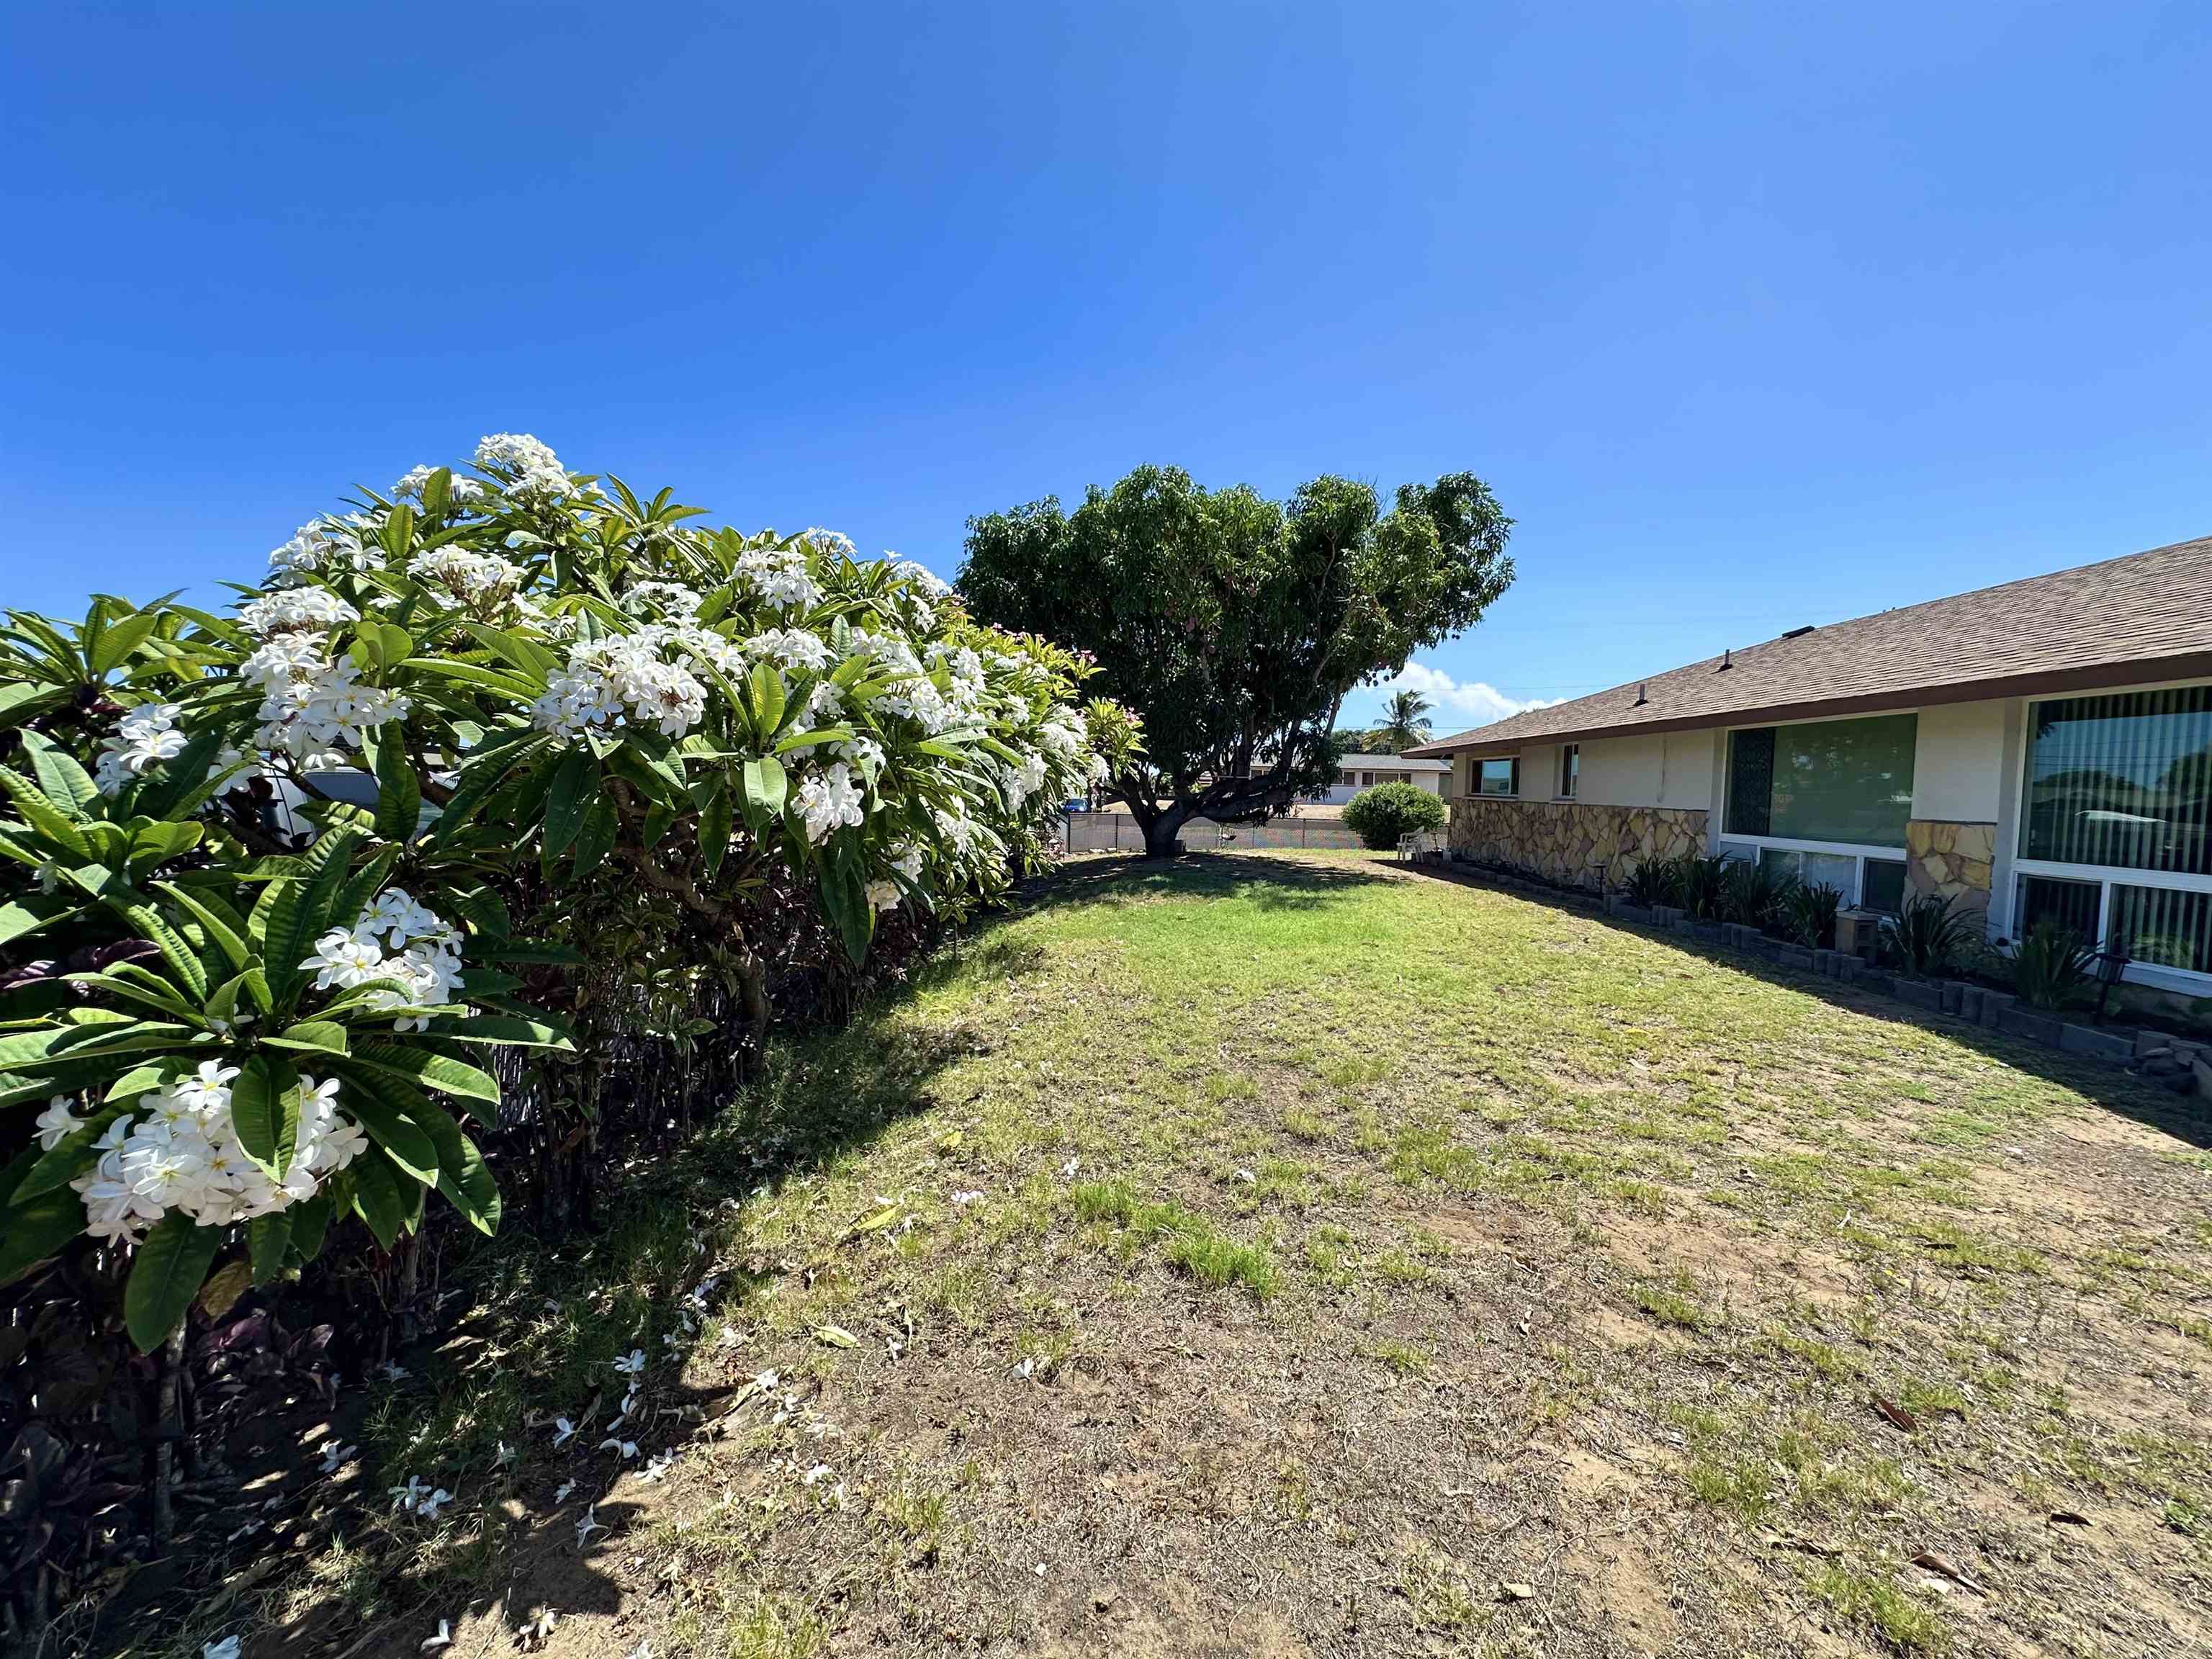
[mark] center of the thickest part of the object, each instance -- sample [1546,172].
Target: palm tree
[1405,721]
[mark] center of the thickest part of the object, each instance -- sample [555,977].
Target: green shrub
[1701,883]
[1807,913]
[1379,815]
[629,777]
[1931,935]
[1751,894]
[2051,965]
[1656,881]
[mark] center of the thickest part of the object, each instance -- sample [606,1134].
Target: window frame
[1859,852]
[1894,850]
[1570,772]
[1511,792]
[2104,876]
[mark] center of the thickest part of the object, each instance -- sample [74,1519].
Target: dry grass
[1363,1264]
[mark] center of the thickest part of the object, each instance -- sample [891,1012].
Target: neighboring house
[2040,749]
[1360,772]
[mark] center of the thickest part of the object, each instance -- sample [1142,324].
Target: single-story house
[1360,772]
[2041,749]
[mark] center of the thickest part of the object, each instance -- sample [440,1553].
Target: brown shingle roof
[2147,617]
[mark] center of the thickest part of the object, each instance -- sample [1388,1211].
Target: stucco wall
[1957,762]
[1671,769]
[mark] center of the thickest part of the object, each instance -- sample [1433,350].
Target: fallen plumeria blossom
[334,1456]
[563,1431]
[631,1364]
[657,1467]
[590,1524]
[441,1637]
[409,1495]
[226,1649]
[429,1508]
[561,1493]
[624,1449]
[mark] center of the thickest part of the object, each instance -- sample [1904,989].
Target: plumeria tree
[285,878]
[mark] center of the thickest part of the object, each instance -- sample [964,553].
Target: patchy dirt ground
[1302,1256]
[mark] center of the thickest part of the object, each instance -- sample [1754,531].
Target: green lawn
[1360,1263]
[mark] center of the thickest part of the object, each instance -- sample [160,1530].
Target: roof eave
[2093,676]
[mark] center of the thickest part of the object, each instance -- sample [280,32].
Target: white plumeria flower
[561,1493]
[334,1456]
[625,1449]
[393,1372]
[819,1472]
[631,1364]
[643,1650]
[590,1524]
[563,1431]
[1069,1168]
[961,1200]
[428,1507]
[58,1123]
[657,1467]
[441,1637]
[409,1495]
[226,1649]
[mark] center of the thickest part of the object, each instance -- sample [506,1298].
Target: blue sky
[1752,315]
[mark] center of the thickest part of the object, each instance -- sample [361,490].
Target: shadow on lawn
[820,1098]
[1270,881]
[2186,1118]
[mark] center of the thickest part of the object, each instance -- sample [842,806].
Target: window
[1571,770]
[1834,780]
[1883,886]
[1838,870]
[1498,777]
[2163,926]
[2123,780]
[2116,827]
[2073,904]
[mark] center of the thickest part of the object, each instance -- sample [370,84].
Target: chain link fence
[1118,832]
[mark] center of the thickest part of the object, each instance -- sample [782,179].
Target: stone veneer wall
[1952,859]
[1562,839]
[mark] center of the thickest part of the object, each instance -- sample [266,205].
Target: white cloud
[1459,704]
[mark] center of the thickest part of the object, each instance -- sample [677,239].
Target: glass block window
[2123,780]
[1838,781]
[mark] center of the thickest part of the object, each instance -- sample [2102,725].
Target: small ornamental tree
[1379,815]
[1234,626]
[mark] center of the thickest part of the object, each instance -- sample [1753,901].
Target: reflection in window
[2161,925]
[1839,780]
[1498,777]
[2071,904]
[2124,780]
[1884,886]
